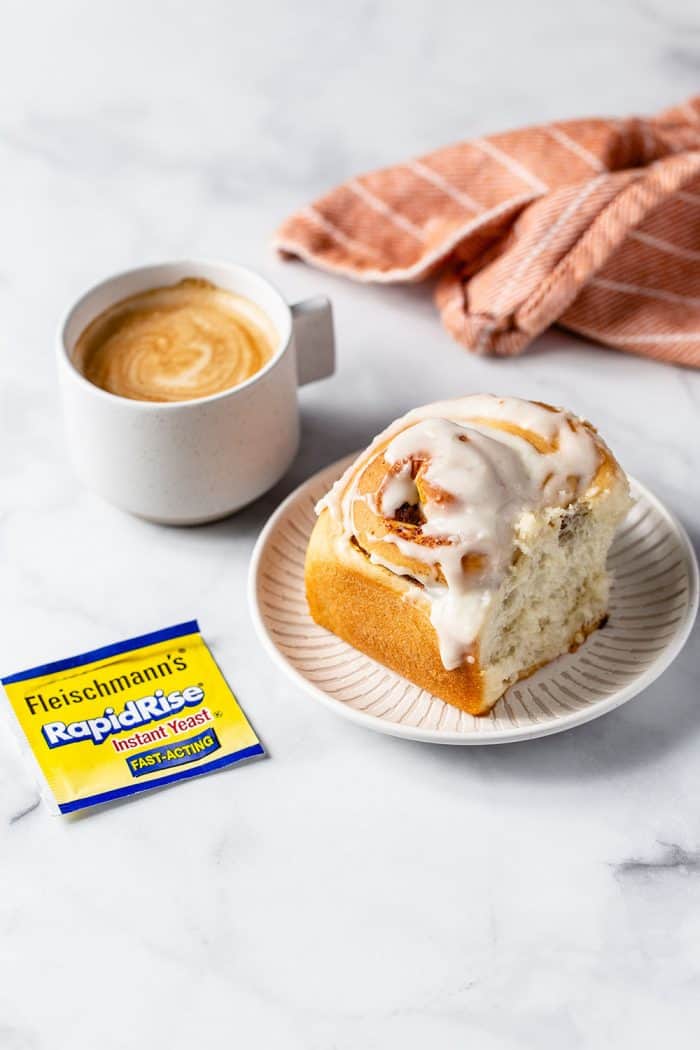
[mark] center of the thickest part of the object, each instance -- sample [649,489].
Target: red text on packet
[181,725]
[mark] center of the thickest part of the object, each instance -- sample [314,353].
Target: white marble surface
[351,890]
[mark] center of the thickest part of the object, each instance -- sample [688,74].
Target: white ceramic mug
[189,462]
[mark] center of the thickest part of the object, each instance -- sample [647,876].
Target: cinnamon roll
[466,546]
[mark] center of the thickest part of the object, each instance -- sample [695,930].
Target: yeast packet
[130,717]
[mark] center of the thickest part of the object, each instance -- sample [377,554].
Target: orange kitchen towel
[594,224]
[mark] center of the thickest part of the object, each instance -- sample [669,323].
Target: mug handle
[314,339]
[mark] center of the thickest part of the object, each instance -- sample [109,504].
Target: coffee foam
[177,343]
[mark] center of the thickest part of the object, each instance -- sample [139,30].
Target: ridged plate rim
[507,734]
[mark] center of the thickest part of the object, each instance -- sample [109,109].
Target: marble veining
[671,858]
[352,890]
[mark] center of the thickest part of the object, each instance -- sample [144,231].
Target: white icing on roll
[477,482]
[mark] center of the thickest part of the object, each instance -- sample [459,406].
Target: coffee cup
[190,462]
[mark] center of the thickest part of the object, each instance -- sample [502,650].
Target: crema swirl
[186,341]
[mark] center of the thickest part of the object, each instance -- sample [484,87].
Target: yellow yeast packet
[129,717]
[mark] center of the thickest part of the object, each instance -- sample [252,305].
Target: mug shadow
[326,436]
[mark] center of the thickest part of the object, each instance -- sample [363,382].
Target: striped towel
[594,224]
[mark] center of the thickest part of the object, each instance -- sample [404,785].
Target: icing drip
[458,477]
[399,489]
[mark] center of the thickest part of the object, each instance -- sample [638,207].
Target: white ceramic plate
[653,604]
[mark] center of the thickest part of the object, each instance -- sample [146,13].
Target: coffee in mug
[178,343]
[179,384]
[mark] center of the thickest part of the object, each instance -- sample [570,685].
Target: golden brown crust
[366,606]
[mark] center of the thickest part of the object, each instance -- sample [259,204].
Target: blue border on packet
[185,774]
[179,630]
